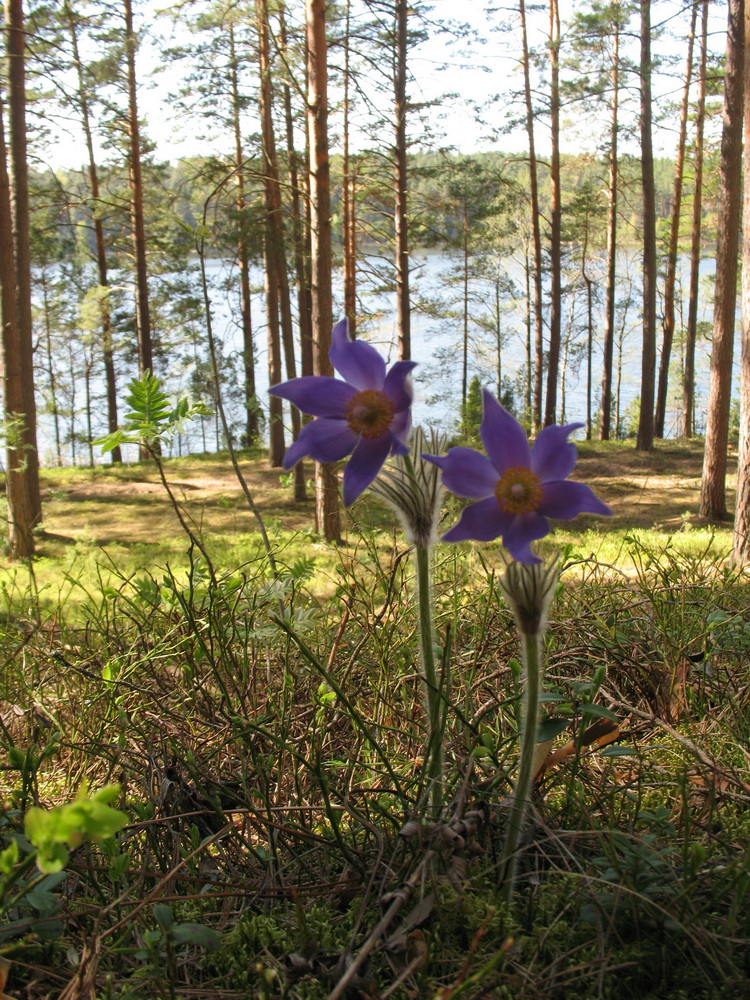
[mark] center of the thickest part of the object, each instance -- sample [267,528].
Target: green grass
[272,770]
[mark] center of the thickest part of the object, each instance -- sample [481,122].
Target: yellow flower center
[519,491]
[369,413]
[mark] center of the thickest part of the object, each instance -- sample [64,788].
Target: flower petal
[356,360]
[565,499]
[324,439]
[466,472]
[523,530]
[503,437]
[401,431]
[482,521]
[552,455]
[365,463]
[318,395]
[396,387]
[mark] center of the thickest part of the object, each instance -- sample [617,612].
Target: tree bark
[20,508]
[688,385]
[298,202]
[605,417]
[400,208]
[137,214]
[326,483]
[741,537]
[555,315]
[252,432]
[536,416]
[273,241]
[645,439]
[713,493]
[348,201]
[669,284]
[110,377]
[25,505]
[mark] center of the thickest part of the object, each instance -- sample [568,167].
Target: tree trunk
[589,282]
[605,417]
[400,208]
[20,508]
[688,385]
[349,238]
[527,277]
[142,307]
[273,241]
[137,214]
[536,416]
[326,483]
[741,537]
[669,318]
[25,505]
[252,432]
[298,200]
[54,409]
[555,316]
[645,440]
[110,377]
[465,283]
[713,494]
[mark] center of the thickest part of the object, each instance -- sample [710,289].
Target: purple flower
[367,416]
[517,487]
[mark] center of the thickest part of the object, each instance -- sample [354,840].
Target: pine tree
[713,492]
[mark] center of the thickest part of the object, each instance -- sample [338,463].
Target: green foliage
[152,418]
[471,417]
[262,752]
[55,832]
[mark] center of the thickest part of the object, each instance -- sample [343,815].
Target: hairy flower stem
[433,688]
[533,672]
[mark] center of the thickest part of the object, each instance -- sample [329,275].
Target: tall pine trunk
[243,255]
[688,384]
[273,239]
[25,505]
[713,493]
[605,417]
[298,219]
[400,207]
[326,484]
[536,415]
[348,201]
[137,214]
[110,378]
[645,439]
[555,315]
[669,284]
[741,539]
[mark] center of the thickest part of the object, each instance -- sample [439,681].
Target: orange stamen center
[369,413]
[519,491]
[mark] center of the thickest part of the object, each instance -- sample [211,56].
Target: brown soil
[660,489]
[129,504]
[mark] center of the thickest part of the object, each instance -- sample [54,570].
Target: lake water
[437,325]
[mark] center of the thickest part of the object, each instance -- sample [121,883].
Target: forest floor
[263,741]
[658,490]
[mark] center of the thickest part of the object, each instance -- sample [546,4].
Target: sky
[471,72]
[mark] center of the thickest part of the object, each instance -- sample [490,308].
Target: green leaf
[51,858]
[549,729]
[615,751]
[202,937]
[163,916]
[599,711]
[8,858]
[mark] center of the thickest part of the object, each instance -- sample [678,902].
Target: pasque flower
[367,415]
[517,487]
